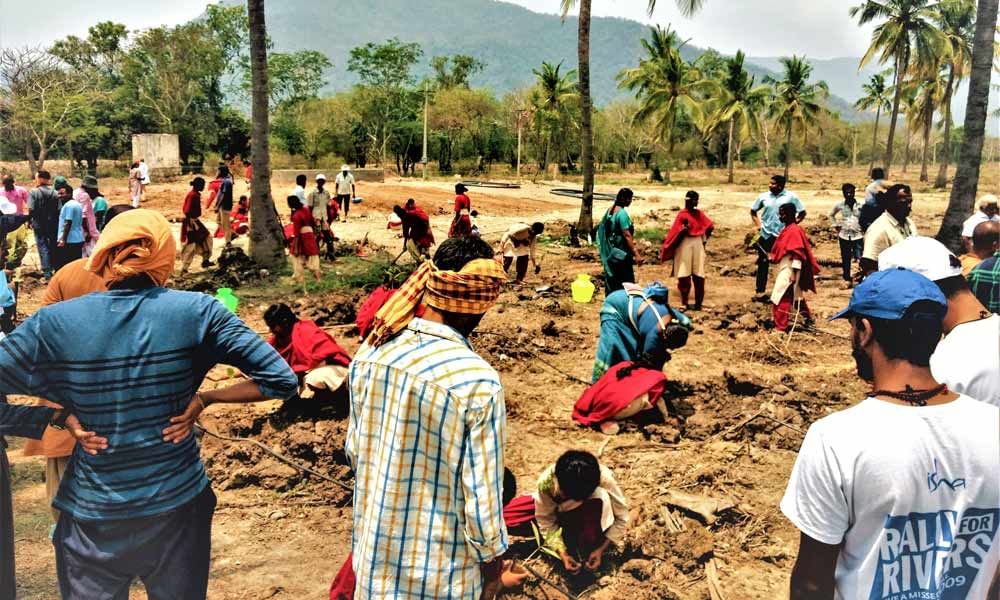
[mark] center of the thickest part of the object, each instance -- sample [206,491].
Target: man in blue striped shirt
[127,364]
[426,438]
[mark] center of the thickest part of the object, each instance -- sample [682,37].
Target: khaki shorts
[328,377]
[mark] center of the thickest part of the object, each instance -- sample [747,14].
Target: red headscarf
[794,241]
[698,223]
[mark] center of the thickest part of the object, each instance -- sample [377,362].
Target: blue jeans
[850,250]
[46,250]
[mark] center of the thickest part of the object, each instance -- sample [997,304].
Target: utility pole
[519,115]
[423,159]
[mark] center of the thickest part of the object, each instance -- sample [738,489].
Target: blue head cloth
[656,291]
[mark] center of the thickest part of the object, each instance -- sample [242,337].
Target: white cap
[320,176]
[923,255]
[987,199]
[345,167]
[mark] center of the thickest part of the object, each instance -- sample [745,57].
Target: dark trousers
[66,254]
[763,248]
[850,251]
[8,587]
[618,275]
[169,553]
[46,244]
[581,528]
[520,265]
[7,319]
[684,287]
[344,200]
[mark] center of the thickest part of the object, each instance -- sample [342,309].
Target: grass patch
[350,273]
[654,235]
[32,522]
[26,474]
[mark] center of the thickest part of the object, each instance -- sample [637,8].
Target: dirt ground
[742,397]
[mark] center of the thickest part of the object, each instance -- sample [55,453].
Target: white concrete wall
[161,151]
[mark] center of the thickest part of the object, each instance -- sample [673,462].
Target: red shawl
[310,347]
[418,226]
[697,222]
[366,314]
[794,241]
[192,210]
[610,395]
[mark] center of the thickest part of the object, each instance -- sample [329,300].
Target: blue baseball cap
[889,294]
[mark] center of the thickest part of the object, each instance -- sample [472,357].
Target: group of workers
[433,502]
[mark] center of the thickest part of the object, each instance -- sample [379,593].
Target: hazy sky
[817,28]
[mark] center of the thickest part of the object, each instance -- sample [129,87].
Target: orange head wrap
[151,251]
[471,291]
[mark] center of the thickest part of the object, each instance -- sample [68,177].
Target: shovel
[398,256]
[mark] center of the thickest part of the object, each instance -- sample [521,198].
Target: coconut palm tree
[665,84]
[955,19]
[586,222]
[740,105]
[911,116]
[267,240]
[927,91]
[877,96]
[552,97]
[905,34]
[796,101]
[970,154]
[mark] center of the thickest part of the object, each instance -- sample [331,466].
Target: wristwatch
[58,420]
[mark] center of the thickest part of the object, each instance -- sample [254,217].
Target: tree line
[82,98]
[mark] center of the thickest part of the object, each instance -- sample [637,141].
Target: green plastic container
[228,299]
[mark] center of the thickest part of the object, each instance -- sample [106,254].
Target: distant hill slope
[510,39]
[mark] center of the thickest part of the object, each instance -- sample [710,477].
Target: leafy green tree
[796,101]
[100,53]
[40,99]
[457,114]
[104,126]
[741,105]
[386,84]
[293,77]
[169,74]
[876,96]
[905,34]
[234,132]
[454,71]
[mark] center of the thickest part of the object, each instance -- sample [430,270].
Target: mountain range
[511,40]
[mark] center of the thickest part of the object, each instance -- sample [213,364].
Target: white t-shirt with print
[968,360]
[912,492]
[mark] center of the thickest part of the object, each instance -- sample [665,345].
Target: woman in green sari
[616,245]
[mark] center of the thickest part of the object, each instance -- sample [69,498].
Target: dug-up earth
[703,487]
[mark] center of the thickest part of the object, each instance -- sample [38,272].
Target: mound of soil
[334,309]
[234,269]
[310,436]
